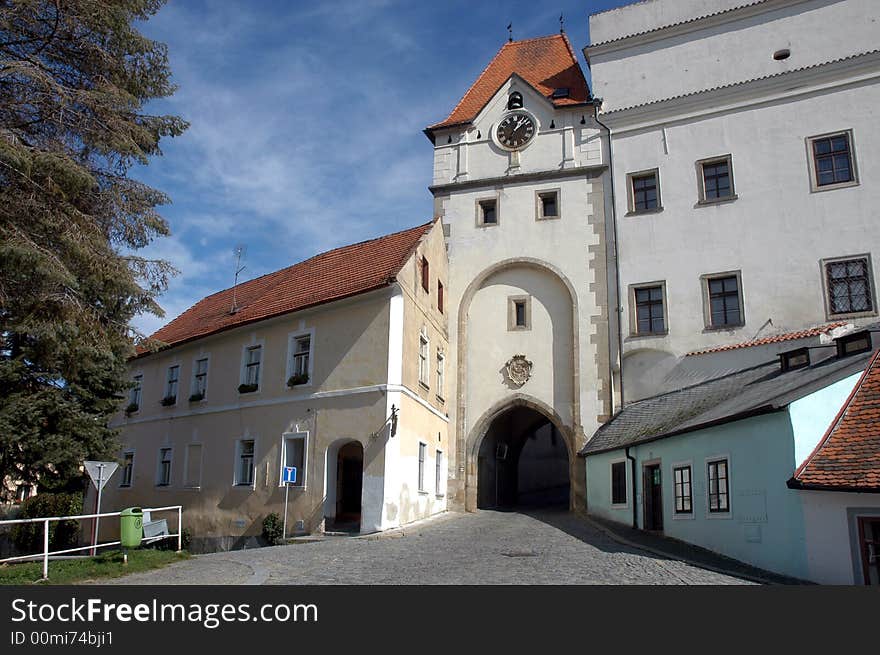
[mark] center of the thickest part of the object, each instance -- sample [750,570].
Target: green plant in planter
[301,378]
[196,397]
[167,401]
[131,409]
[247,388]
[272,527]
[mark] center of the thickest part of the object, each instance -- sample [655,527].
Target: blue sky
[306,122]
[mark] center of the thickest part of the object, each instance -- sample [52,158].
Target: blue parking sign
[289,475]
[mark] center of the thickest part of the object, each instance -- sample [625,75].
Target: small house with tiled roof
[329,373]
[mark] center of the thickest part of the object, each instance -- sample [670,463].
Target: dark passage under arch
[522,462]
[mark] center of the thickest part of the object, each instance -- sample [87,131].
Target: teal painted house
[710,463]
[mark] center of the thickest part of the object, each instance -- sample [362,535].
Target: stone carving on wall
[519,370]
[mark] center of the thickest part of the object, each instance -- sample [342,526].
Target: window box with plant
[297,379]
[131,409]
[247,388]
[196,397]
[167,401]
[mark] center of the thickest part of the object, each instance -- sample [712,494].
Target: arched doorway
[523,461]
[345,475]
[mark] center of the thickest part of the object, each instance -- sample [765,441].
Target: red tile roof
[332,275]
[776,338]
[848,457]
[547,63]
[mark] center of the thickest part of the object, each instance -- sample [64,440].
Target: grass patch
[105,565]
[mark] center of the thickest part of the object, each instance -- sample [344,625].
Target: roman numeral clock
[515,130]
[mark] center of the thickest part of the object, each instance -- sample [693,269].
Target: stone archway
[343,500]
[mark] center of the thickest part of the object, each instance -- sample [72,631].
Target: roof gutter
[632,461]
[793,483]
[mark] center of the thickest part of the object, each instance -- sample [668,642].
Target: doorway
[653,518]
[349,487]
[869,542]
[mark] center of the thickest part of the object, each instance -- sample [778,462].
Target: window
[831,161]
[293,453]
[171,384]
[441,373]
[200,379]
[683,492]
[848,286]
[253,357]
[244,463]
[424,380]
[519,313]
[716,176]
[134,396]
[644,191]
[649,310]
[618,483]
[487,211]
[719,495]
[547,204]
[426,275]
[163,476]
[422,449]
[127,468]
[438,473]
[852,344]
[724,300]
[193,472]
[439,296]
[300,360]
[794,359]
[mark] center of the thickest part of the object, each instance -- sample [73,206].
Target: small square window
[794,359]
[519,313]
[649,308]
[724,300]
[547,204]
[852,344]
[644,192]
[716,179]
[487,212]
[849,287]
[832,164]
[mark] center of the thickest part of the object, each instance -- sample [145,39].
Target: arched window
[515,101]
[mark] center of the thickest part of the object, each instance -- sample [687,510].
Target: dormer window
[852,344]
[515,101]
[794,359]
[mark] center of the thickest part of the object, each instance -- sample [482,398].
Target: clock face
[515,130]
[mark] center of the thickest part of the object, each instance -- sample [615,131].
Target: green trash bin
[131,527]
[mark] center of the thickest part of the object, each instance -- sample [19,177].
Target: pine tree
[74,78]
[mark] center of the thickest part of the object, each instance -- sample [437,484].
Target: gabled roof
[848,456]
[546,63]
[748,392]
[332,275]
[776,338]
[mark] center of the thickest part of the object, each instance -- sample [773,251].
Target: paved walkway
[546,547]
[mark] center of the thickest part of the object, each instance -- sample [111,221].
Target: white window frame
[422,458]
[424,359]
[170,449]
[122,485]
[683,516]
[261,343]
[729,513]
[186,452]
[195,369]
[237,458]
[301,475]
[626,483]
[165,394]
[440,492]
[441,374]
[292,338]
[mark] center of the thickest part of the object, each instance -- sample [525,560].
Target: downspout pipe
[632,463]
[597,102]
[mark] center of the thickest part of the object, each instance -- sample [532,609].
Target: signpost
[100,473]
[289,478]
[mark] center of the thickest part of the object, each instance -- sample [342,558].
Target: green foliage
[294,380]
[171,543]
[108,564]
[247,388]
[272,529]
[28,537]
[74,77]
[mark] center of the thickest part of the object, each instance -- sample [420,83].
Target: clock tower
[519,172]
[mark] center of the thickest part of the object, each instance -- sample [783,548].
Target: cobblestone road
[547,547]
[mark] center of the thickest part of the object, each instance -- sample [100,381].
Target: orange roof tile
[547,63]
[332,275]
[776,338]
[848,456]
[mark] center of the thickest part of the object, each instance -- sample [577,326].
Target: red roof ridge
[832,430]
[775,338]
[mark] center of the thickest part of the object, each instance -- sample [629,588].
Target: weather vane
[510,32]
[561,24]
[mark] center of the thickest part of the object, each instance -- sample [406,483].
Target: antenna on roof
[510,32]
[239,251]
[561,24]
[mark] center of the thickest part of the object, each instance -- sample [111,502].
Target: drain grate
[520,553]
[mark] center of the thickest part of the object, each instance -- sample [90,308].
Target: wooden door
[651,484]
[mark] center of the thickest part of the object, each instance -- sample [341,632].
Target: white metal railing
[46,520]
